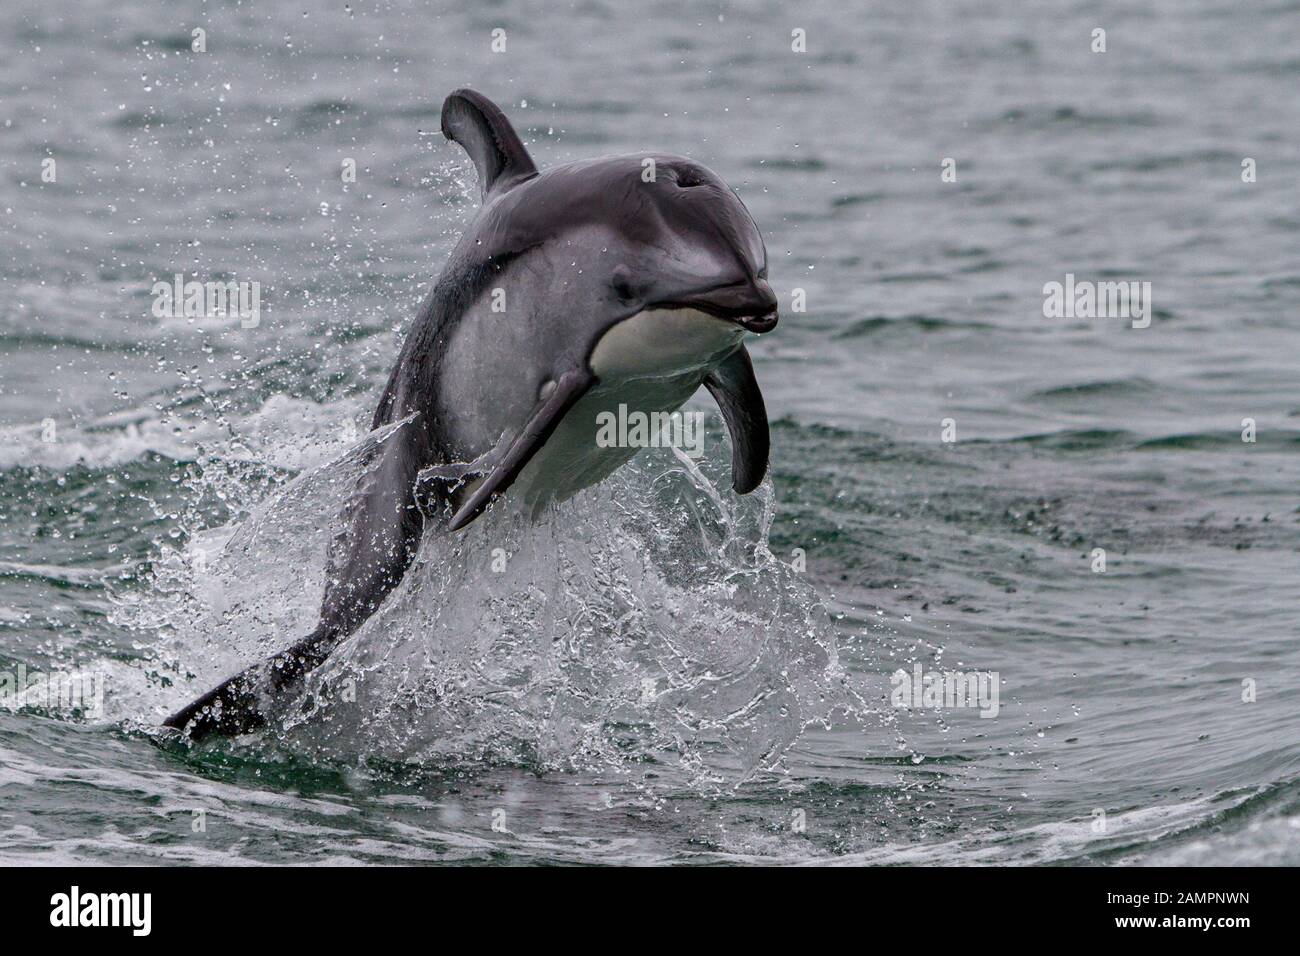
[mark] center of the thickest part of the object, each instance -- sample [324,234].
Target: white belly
[650,364]
[663,342]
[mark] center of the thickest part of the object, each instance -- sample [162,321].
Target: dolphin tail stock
[240,704]
[382,530]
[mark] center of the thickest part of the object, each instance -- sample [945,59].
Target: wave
[1164,835]
[1123,387]
[877,324]
[51,574]
[283,432]
[1098,439]
[1043,116]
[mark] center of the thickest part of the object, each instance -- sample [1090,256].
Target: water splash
[642,628]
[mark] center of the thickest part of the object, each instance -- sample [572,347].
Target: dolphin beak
[750,304]
[758,324]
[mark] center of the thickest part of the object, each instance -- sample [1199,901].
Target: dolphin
[624,280]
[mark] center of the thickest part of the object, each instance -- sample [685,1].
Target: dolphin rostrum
[625,280]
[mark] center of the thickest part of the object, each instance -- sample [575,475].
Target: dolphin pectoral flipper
[569,387]
[734,388]
[474,121]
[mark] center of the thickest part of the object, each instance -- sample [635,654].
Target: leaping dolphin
[625,280]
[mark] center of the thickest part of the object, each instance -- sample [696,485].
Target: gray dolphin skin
[626,280]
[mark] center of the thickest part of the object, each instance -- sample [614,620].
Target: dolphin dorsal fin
[474,121]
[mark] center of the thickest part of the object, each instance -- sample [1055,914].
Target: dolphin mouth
[758,324]
[750,305]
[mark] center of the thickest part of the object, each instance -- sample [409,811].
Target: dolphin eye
[622,282]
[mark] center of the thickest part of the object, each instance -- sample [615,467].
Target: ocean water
[661,672]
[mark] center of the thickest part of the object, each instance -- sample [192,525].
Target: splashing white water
[643,627]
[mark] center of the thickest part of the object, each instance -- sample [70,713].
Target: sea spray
[642,626]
